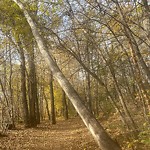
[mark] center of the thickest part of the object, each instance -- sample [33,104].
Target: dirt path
[65,135]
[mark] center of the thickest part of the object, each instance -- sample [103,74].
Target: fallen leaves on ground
[65,135]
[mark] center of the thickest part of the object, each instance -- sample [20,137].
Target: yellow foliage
[13,18]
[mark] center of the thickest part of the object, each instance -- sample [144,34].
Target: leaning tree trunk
[100,135]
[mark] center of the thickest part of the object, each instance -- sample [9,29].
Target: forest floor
[65,135]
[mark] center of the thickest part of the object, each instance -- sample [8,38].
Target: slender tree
[53,115]
[65,105]
[23,85]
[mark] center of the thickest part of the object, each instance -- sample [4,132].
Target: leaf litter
[65,135]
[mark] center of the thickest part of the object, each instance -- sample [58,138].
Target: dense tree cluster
[102,50]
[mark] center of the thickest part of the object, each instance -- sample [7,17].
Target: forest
[75,74]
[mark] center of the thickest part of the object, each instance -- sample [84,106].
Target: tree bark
[88,79]
[33,98]
[23,87]
[11,89]
[47,107]
[100,135]
[65,106]
[53,116]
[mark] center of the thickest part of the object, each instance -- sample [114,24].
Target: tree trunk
[88,92]
[88,79]
[100,135]
[32,91]
[23,87]
[65,106]
[53,116]
[11,89]
[47,107]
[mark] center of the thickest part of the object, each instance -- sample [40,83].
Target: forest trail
[65,135]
